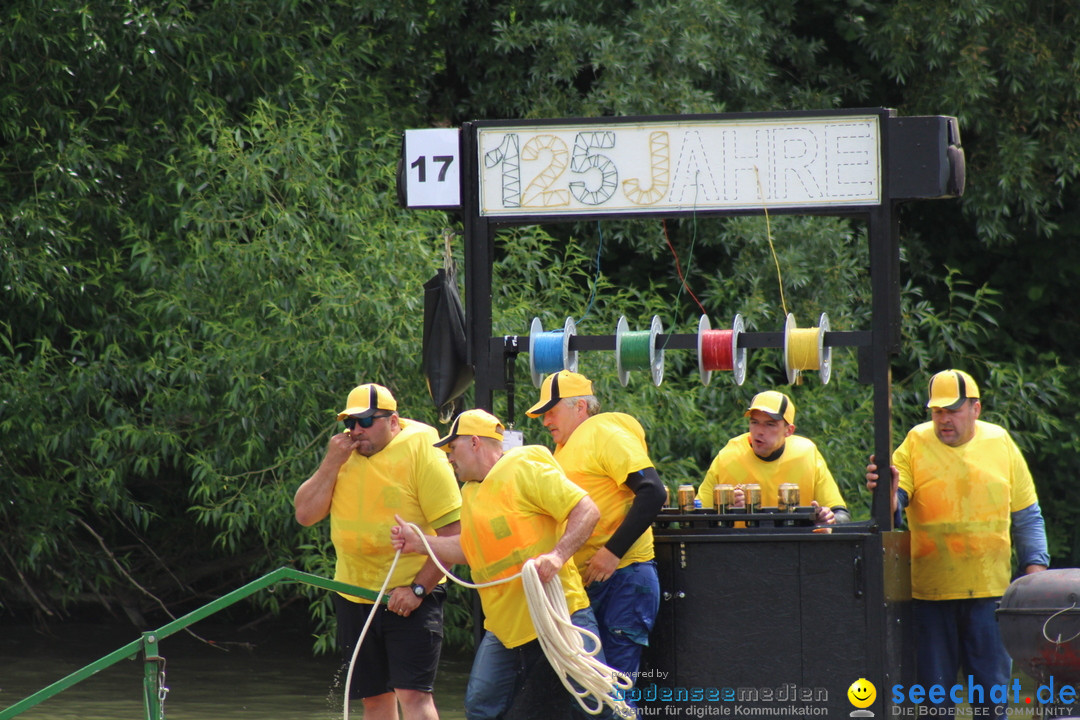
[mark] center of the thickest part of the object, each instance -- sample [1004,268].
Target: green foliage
[193,250]
[1007,69]
[692,56]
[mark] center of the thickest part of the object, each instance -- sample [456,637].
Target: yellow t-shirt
[517,512]
[409,477]
[960,503]
[800,463]
[597,457]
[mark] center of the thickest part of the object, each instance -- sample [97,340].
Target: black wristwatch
[418,590]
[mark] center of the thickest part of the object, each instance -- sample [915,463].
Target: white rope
[367,624]
[561,640]
[564,646]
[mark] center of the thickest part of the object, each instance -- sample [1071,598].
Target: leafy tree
[201,257]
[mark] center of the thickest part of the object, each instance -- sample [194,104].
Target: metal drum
[1039,619]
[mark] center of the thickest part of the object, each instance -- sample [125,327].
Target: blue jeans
[951,635]
[625,606]
[498,672]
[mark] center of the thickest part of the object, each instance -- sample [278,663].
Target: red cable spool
[719,350]
[716,350]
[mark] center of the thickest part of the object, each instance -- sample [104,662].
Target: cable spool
[638,350]
[805,349]
[550,351]
[719,350]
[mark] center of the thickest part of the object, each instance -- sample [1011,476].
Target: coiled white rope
[564,646]
[563,642]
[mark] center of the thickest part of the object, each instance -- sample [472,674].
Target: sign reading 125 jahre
[678,165]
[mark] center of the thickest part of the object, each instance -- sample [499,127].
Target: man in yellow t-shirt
[770,454]
[517,505]
[380,466]
[970,499]
[606,454]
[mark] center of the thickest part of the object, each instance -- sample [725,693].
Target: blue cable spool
[550,352]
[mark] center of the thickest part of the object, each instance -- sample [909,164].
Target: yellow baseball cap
[365,400]
[775,404]
[949,389]
[563,384]
[472,422]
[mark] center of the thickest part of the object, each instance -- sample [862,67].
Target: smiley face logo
[862,693]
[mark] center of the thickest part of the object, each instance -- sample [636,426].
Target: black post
[478,261]
[884,238]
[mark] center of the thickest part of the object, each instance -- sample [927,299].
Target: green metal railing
[153,663]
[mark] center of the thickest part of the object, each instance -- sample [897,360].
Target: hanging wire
[596,275]
[768,234]
[678,267]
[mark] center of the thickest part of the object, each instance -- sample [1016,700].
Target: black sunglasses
[364,422]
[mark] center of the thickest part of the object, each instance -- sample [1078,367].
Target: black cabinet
[767,624]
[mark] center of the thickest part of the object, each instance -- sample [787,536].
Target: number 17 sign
[432,168]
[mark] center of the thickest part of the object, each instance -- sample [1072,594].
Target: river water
[265,673]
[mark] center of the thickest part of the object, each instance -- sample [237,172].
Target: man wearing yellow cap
[967,489]
[606,454]
[517,505]
[383,465]
[770,454]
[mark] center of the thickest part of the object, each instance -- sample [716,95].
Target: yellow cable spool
[805,349]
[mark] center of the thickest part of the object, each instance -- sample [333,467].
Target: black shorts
[398,652]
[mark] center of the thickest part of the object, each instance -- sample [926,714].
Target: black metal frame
[920,158]
[926,166]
